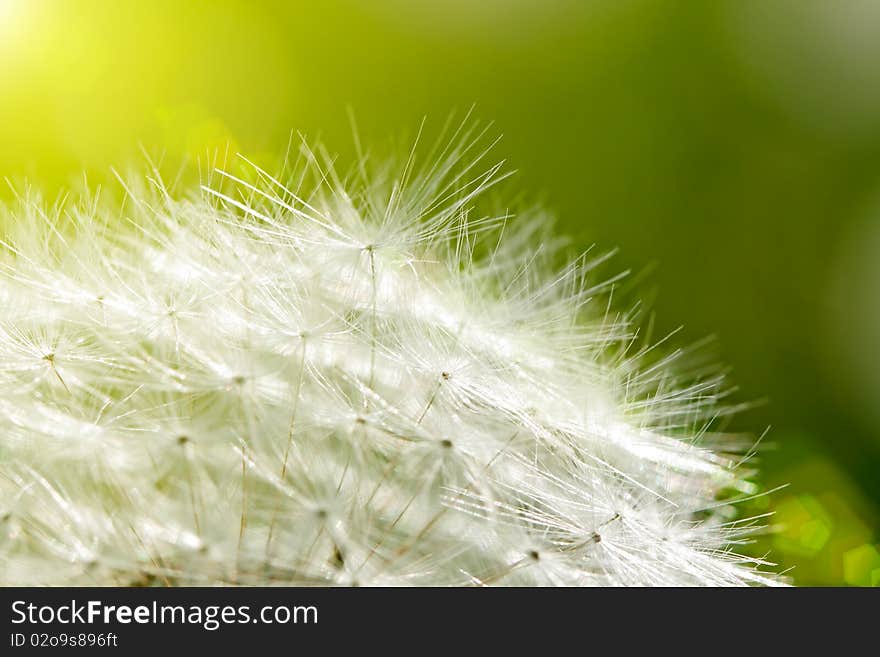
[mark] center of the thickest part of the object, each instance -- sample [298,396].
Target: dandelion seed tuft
[369,379]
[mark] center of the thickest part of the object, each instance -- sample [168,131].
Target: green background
[732,146]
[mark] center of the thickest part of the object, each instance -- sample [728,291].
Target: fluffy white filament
[345,380]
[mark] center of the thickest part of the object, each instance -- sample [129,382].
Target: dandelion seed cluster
[311,378]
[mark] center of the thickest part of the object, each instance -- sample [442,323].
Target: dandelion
[344,379]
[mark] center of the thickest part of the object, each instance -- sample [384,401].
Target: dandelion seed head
[364,379]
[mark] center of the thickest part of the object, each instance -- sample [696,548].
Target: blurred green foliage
[736,144]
